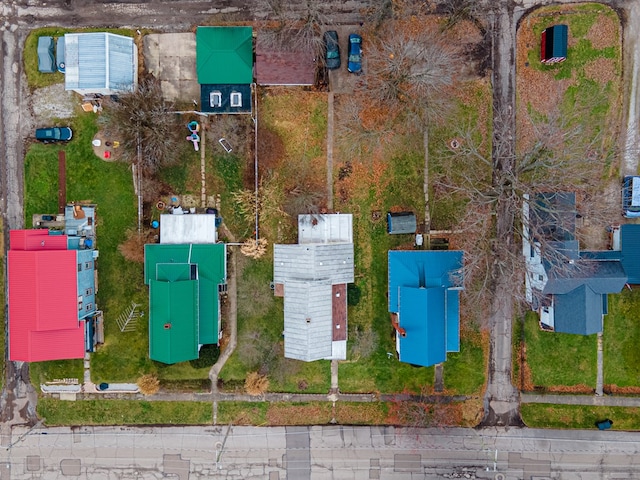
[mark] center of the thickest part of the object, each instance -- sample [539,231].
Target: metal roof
[601,276]
[175,263]
[100,62]
[423,291]
[190,228]
[43,306]
[224,55]
[333,262]
[308,320]
[328,228]
[173,321]
[630,244]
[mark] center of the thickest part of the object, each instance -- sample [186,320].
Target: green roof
[224,55]
[173,321]
[173,265]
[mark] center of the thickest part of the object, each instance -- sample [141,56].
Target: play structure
[194,128]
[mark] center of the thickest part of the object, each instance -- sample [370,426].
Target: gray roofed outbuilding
[100,63]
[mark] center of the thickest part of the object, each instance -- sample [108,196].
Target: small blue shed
[553,46]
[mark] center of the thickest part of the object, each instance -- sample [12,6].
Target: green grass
[464,371]
[621,339]
[559,358]
[124,412]
[42,372]
[578,416]
[242,413]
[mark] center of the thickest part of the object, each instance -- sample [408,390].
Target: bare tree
[147,129]
[293,29]
[561,157]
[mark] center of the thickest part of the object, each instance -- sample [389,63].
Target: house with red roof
[51,295]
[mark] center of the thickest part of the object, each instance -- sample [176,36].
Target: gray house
[312,277]
[567,287]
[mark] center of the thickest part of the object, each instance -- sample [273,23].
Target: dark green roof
[173,321]
[173,265]
[224,55]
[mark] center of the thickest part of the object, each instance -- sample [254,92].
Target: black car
[46,61]
[54,134]
[332,50]
[355,53]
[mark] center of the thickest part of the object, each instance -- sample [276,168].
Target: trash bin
[103,386]
[604,424]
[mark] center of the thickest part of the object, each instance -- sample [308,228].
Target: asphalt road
[320,452]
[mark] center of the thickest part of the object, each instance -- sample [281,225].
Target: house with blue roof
[424,304]
[568,288]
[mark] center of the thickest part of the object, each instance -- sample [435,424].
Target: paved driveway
[171,58]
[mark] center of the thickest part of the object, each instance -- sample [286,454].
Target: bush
[256,384]
[149,384]
[353,294]
[208,356]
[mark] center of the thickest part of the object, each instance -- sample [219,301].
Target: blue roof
[630,244]
[99,61]
[420,292]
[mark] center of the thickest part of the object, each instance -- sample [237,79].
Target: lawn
[578,416]
[558,360]
[123,412]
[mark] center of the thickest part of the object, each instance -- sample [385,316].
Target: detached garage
[553,46]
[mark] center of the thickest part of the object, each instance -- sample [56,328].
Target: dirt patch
[601,70]
[603,33]
[53,102]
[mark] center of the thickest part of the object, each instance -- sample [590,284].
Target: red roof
[36,240]
[43,299]
[275,67]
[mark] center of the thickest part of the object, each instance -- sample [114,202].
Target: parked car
[631,196]
[54,134]
[332,50]
[60,54]
[46,61]
[355,53]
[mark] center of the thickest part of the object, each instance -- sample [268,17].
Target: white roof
[188,228]
[329,228]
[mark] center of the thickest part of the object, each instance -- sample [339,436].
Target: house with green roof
[184,308]
[224,65]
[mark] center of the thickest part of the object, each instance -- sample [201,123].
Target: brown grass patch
[360,413]
[604,33]
[580,388]
[616,390]
[309,414]
[601,70]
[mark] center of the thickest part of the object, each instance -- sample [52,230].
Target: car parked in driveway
[355,53]
[60,54]
[46,60]
[54,134]
[331,49]
[631,196]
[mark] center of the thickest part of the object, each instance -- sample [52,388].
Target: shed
[401,222]
[284,66]
[553,44]
[424,297]
[100,63]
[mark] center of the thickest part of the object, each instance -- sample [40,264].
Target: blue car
[46,61]
[355,53]
[54,134]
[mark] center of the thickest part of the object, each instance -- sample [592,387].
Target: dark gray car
[332,50]
[46,60]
